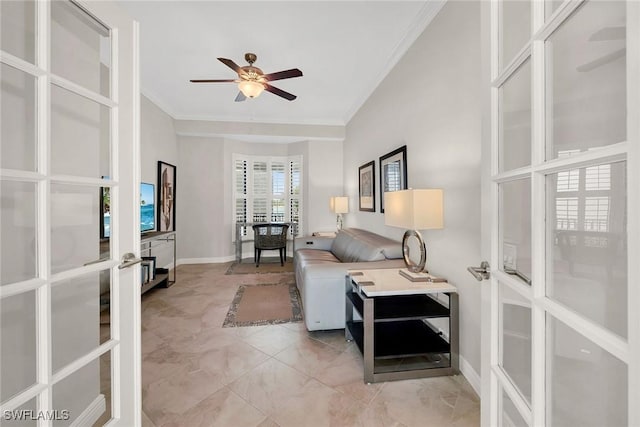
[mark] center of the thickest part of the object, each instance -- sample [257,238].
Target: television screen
[147,209]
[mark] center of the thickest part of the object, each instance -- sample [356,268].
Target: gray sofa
[321,264]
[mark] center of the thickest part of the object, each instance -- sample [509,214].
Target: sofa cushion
[355,245]
[314,256]
[392,249]
[348,247]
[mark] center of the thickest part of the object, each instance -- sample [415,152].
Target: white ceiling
[344,49]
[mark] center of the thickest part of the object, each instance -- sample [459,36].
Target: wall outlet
[509,256]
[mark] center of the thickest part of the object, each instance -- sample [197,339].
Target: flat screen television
[147,209]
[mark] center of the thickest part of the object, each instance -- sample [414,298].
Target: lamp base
[339,221]
[411,266]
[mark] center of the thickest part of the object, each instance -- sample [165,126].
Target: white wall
[205,222]
[158,141]
[431,102]
[200,210]
[325,179]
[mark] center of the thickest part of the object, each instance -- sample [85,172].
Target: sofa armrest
[322,288]
[312,242]
[339,270]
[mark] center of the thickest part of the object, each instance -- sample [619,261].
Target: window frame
[250,196]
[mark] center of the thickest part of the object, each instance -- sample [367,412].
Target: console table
[393,335]
[150,243]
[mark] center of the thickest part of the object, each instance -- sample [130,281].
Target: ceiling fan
[603,35]
[252,81]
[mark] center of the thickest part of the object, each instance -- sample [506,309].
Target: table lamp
[414,210]
[339,205]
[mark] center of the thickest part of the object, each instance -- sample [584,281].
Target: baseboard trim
[216,260]
[471,375]
[92,413]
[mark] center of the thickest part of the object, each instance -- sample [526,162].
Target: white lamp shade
[339,205]
[414,209]
[250,88]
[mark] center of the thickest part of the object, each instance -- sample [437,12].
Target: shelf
[401,307]
[161,279]
[406,338]
[154,244]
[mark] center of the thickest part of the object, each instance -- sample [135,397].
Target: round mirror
[414,251]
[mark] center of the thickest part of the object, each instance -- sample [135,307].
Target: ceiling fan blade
[609,33]
[602,60]
[287,74]
[229,63]
[240,97]
[212,81]
[279,92]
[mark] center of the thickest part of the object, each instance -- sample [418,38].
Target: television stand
[156,244]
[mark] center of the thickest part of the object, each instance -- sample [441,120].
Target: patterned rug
[266,266]
[265,304]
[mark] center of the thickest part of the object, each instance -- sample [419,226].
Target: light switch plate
[509,256]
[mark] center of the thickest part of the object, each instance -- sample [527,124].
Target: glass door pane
[515,215]
[515,351]
[18,216]
[18,117]
[80,135]
[17,344]
[510,415]
[88,387]
[80,47]
[515,119]
[516,29]
[586,385]
[81,327]
[586,79]
[587,243]
[18,28]
[75,227]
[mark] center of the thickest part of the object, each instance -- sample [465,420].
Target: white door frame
[627,350]
[124,345]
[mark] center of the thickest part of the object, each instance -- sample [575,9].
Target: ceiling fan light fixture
[251,88]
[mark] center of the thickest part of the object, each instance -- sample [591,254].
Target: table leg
[369,337]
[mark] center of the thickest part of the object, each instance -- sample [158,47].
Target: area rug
[266,304]
[266,266]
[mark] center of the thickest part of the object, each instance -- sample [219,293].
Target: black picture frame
[367,187]
[393,172]
[166,197]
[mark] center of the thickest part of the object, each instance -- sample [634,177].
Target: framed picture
[367,182]
[393,172]
[166,197]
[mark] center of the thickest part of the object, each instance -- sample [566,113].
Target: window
[584,204]
[267,189]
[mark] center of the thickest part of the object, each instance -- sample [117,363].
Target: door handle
[515,272]
[129,260]
[480,273]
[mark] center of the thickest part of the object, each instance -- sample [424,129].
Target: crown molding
[428,11]
[209,118]
[213,118]
[158,102]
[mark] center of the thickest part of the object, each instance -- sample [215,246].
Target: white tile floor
[196,373]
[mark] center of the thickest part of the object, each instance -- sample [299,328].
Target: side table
[392,333]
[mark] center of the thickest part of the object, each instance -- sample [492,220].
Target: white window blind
[589,207]
[267,189]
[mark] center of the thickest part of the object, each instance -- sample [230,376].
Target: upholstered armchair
[270,237]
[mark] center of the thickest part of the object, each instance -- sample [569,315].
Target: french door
[70,318]
[563,331]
